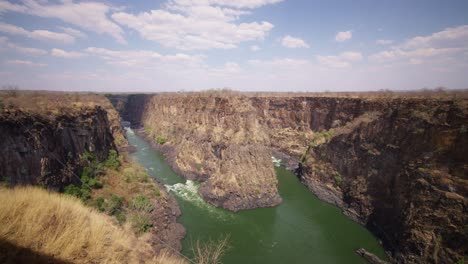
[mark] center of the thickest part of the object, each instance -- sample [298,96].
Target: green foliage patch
[141,203]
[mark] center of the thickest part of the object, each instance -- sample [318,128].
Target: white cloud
[4,42]
[143,58]
[281,62]
[66,54]
[449,41]
[384,41]
[340,61]
[343,36]
[239,4]
[25,63]
[43,35]
[73,32]
[91,16]
[192,25]
[255,48]
[291,42]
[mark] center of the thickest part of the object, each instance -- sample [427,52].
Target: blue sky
[256,45]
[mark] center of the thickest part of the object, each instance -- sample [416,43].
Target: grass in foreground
[62,227]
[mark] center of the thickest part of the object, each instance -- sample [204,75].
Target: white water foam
[189,192]
[276,161]
[130,131]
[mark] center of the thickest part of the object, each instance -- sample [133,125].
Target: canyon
[396,165]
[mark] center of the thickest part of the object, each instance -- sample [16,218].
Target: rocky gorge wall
[42,148]
[398,166]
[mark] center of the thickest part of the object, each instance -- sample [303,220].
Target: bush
[121,218]
[115,205]
[338,178]
[161,140]
[140,223]
[82,193]
[148,130]
[157,192]
[73,190]
[112,160]
[141,203]
[99,204]
[88,156]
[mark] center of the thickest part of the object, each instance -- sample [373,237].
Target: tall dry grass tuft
[210,252]
[61,226]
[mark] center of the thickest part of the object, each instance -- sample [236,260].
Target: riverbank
[302,229]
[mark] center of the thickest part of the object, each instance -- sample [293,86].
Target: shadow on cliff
[14,254]
[130,107]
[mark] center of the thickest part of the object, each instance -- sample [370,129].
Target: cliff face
[402,172]
[43,147]
[397,166]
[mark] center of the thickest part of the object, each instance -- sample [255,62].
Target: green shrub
[160,140]
[83,193]
[140,223]
[88,156]
[73,190]
[141,203]
[338,178]
[148,130]
[99,204]
[115,205]
[121,218]
[112,160]
[157,192]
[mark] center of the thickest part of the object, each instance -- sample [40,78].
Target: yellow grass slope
[61,227]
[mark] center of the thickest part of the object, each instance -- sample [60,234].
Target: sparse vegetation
[141,223]
[141,203]
[210,252]
[148,130]
[160,140]
[60,226]
[112,160]
[338,179]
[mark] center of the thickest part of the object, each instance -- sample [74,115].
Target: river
[302,229]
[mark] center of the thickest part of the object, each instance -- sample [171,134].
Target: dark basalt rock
[40,151]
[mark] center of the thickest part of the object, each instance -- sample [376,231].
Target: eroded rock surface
[398,166]
[45,150]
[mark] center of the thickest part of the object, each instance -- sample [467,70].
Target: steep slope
[396,165]
[45,134]
[74,143]
[42,227]
[403,173]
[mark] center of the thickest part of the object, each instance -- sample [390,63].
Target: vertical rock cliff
[43,147]
[398,166]
[402,172]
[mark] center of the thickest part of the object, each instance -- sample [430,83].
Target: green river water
[302,229]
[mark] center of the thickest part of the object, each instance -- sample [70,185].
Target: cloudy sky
[279,45]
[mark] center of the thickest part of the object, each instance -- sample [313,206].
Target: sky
[247,45]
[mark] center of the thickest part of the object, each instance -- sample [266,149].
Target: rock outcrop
[402,172]
[398,166]
[44,148]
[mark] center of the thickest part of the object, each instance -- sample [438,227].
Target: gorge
[394,164]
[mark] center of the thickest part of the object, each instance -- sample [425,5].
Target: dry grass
[437,93]
[60,226]
[210,252]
